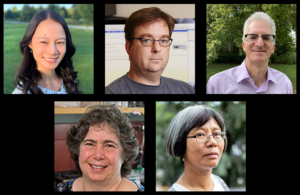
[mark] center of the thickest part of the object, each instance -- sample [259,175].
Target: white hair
[259,16]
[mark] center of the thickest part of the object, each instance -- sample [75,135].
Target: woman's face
[196,153]
[48,45]
[100,155]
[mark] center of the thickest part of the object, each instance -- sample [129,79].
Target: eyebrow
[150,35]
[48,38]
[105,141]
[203,129]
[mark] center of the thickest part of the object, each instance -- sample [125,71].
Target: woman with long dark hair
[47,48]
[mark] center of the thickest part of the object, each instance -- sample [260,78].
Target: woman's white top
[63,90]
[219,185]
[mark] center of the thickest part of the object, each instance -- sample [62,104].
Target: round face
[100,155]
[258,52]
[152,59]
[198,155]
[48,45]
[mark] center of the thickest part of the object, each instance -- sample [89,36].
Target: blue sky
[20,6]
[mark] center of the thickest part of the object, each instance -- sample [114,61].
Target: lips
[98,168]
[258,51]
[51,60]
[212,153]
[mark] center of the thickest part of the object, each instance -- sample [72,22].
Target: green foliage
[230,57]
[233,162]
[224,23]
[285,59]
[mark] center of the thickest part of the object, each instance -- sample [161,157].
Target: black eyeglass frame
[154,42]
[222,133]
[261,35]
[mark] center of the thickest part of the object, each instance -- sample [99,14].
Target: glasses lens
[202,137]
[218,136]
[252,38]
[267,38]
[165,42]
[147,41]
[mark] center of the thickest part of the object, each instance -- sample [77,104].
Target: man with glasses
[253,76]
[148,39]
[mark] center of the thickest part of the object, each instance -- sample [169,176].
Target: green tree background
[225,22]
[232,166]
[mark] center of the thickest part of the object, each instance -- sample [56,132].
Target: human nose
[211,141]
[52,49]
[259,42]
[156,46]
[99,153]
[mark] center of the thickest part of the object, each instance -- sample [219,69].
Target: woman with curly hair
[47,48]
[103,146]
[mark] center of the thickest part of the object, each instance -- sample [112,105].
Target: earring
[30,51]
[182,159]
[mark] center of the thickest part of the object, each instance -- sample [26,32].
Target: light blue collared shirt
[236,80]
[63,90]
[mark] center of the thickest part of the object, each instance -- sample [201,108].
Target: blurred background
[80,20]
[232,166]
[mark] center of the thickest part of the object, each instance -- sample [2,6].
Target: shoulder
[219,183]
[65,186]
[177,86]
[279,75]
[115,86]
[134,184]
[225,74]
[17,91]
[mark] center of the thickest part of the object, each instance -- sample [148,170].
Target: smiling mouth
[98,167]
[51,59]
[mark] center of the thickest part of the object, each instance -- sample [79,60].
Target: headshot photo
[104,145]
[198,148]
[149,45]
[265,42]
[46,62]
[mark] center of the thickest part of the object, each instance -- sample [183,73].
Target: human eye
[61,43]
[109,146]
[164,40]
[89,144]
[217,134]
[201,134]
[266,37]
[43,42]
[252,37]
[147,40]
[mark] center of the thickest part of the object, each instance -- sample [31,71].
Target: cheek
[62,50]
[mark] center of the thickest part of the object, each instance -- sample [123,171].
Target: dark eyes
[59,43]
[106,145]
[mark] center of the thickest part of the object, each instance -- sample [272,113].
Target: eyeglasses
[148,41]
[204,137]
[254,37]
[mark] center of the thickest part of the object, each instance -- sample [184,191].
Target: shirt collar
[243,74]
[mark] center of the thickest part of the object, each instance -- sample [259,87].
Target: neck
[108,185]
[258,72]
[144,77]
[196,179]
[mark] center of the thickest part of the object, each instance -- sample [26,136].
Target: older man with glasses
[148,38]
[253,76]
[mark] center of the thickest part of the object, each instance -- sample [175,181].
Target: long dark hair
[28,73]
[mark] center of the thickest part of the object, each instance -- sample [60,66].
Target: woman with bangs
[197,134]
[47,48]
